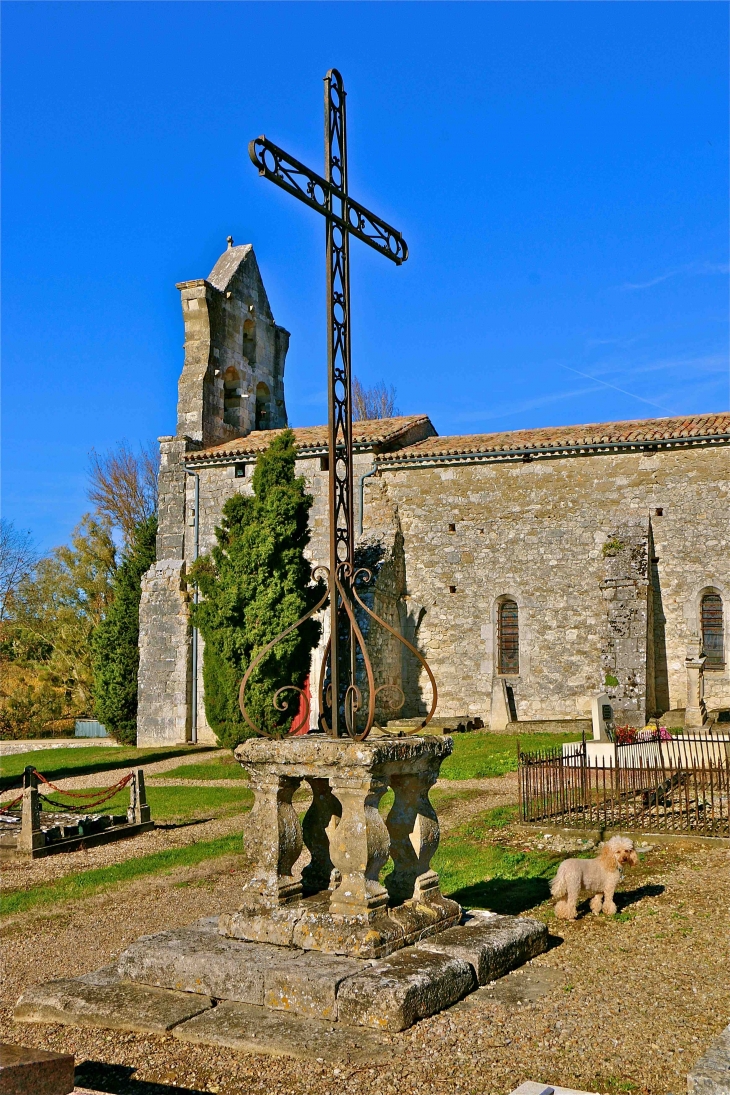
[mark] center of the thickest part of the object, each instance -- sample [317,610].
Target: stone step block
[114,1007]
[398,991]
[258,1030]
[309,985]
[492,945]
[283,978]
[203,962]
[34,1071]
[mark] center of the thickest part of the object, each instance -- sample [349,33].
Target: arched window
[249,341]
[231,397]
[711,622]
[508,638]
[263,403]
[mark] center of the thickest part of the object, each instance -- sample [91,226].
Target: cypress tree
[256,582]
[115,643]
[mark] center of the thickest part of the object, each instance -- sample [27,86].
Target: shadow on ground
[630,897]
[119,1080]
[509,896]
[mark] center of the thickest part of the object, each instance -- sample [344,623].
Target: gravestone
[602,717]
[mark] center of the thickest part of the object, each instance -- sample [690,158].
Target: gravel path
[635,1000]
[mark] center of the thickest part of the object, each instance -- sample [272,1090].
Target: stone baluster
[414,838]
[359,846]
[272,841]
[318,826]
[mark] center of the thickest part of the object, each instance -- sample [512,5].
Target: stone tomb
[331,945]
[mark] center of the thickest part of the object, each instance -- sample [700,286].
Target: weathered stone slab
[107,975]
[493,945]
[35,1071]
[115,1007]
[275,926]
[204,962]
[308,986]
[524,986]
[358,936]
[258,1030]
[398,991]
[711,1074]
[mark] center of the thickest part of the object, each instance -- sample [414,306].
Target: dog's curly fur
[599,876]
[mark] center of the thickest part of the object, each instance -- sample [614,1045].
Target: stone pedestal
[338,904]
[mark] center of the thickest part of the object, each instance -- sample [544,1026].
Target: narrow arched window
[712,630]
[231,397]
[508,638]
[263,407]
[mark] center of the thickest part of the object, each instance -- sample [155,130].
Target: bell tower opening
[232,398]
[263,407]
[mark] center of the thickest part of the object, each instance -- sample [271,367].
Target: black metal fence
[655,786]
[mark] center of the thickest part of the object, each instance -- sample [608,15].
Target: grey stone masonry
[627,646]
[711,1074]
[233,377]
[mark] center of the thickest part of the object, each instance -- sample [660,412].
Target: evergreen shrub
[256,582]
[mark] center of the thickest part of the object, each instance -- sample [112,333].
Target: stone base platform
[214,990]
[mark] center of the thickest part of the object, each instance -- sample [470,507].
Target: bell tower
[232,380]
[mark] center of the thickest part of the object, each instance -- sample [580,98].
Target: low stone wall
[549,726]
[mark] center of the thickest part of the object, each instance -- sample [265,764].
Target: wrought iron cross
[343,217]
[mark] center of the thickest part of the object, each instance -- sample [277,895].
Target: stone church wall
[536,532]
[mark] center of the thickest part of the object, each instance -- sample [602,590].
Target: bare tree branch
[17,559]
[375,402]
[123,486]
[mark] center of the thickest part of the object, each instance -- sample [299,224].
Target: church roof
[377,434]
[640,434]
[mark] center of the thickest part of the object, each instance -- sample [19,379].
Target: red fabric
[302,715]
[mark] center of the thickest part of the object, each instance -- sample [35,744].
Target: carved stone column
[318,828]
[273,842]
[360,845]
[414,838]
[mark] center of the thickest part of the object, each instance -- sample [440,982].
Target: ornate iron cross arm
[279,167]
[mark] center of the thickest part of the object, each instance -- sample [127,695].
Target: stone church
[535,569]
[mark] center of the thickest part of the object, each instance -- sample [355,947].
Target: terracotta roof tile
[567,437]
[372,433]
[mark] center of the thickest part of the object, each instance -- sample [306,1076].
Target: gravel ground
[638,998]
[21,874]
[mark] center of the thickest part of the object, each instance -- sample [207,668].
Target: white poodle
[600,876]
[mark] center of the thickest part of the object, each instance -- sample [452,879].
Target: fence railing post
[139,811]
[31,834]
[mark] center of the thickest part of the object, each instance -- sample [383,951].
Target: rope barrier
[11,805]
[93,800]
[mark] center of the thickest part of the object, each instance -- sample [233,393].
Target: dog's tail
[558,887]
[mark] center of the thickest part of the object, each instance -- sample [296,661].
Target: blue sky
[559,170]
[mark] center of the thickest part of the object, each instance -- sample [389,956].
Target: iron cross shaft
[344,217]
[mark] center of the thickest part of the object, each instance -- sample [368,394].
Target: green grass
[176,803]
[477,756]
[218,768]
[476,870]
[87,883]
[60,763]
